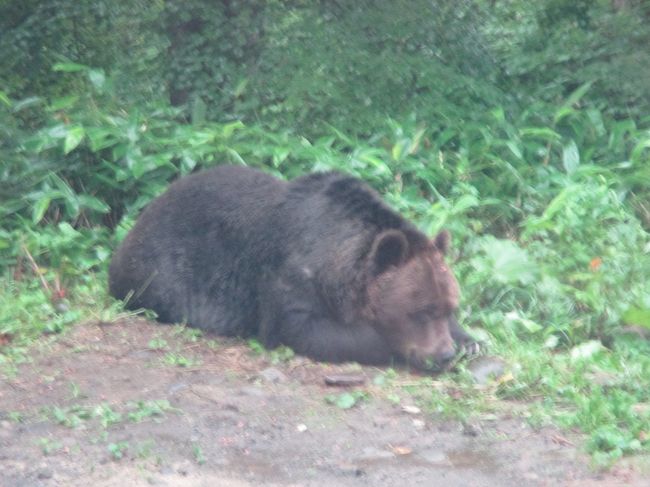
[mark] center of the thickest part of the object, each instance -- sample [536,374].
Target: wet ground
[135,403]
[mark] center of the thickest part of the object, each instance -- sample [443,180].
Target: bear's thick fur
[319,264]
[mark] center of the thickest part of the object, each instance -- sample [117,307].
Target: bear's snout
[431,359]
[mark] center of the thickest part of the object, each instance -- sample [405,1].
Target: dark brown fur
[320,264]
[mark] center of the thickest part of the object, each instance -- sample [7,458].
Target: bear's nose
[445,357]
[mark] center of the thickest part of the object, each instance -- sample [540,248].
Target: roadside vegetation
[523,129]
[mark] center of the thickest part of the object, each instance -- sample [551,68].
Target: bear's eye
[424,315]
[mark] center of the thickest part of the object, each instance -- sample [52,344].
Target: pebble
[471,429]
[419,424]
[273,375]
[486,369]
[44,473]
[350,469]
[434,456]
[409,409]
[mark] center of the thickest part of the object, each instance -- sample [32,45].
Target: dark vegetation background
[523,127]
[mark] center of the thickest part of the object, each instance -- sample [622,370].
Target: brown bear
[320,264]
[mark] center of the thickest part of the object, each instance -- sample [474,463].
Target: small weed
[281,354]
[179,360]
[256,347]
[75,392]
[346,400]
[72,416]
[118,449]
[106,415]
[142,410]
[101,438]
[158,344]
[49,446]
[144,449]
[187,333]
[275,356]
[15,416]
[199,457]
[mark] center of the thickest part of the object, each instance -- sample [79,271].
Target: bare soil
[235,419]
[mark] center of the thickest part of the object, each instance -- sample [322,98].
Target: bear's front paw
[472,349]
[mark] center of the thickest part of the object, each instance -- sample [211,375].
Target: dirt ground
[109,405]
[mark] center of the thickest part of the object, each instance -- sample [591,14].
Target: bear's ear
[442,241]
[390,248]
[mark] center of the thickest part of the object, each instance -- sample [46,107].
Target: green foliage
[547,49]
[346,400]
[521,127]
[118,449]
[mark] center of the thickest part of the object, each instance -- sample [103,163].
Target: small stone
[350,469]
[486,369]
[419,424]
[409,409]
[344,380]
[273,375]
[183,468]
[434,456]
[44,473]
[471,429]
[301,428]
[402,450]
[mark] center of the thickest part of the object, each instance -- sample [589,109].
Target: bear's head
[412,298]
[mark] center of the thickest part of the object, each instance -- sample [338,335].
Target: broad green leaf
[510,263]
[100,138]
[198,111]
[4,98]
[543,133]
[73,138]
[578,94]
[415,143]
[345,400]
[529,325]
[464,203]
[69,67]
[63,102]
[97,78]
[562,112]
[570,157]
[637,316]
[93,203]
[639,150]
[235,156]
[26,103]
[399,149]
[187,164]
[40,207]
[229,128]
[240,88]
[514,148]
[586,350]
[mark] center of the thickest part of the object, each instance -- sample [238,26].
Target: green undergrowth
[547,207]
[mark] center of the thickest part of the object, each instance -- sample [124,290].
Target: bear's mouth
[430,364]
